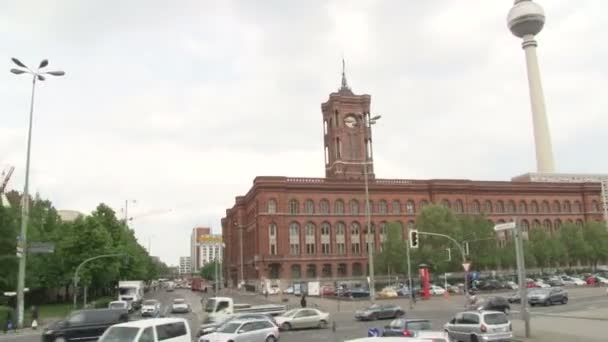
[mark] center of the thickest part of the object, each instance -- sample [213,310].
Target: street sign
[41,247]
[504,226]
[466,266]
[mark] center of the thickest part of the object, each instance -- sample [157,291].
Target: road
[584,317]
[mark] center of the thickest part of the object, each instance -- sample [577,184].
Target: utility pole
[409,274]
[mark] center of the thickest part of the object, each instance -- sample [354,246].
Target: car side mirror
[453,321]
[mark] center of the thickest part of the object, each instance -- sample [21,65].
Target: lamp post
[240,228]
[39,75]
[367,123]
[525,20]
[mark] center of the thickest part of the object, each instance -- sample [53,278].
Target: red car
[328,290]
[531,284]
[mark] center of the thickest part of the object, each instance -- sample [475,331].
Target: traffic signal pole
[409,275]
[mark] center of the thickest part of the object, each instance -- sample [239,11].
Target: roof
[144,323]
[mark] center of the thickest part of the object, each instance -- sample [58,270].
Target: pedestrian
[303,300]
[34,317]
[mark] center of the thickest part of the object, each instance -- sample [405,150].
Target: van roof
[144,323]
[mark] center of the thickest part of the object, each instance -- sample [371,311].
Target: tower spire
[344,87]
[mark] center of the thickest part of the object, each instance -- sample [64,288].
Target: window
[369,237]
[311,271]
[326,271]
[544,207]
[170,330]
[340,238]
[577,207]
[325,238]
[382,207]
[339,207]
[567,207]
[558,224]
[475,207]
[342,272]
[370,204]
[357,269]
[355,238]
[446,204]
[324,206]
[548,226]
[500,207]
[396,207]
[410,208]
[309,207]
[595,206]
[326,155]
[294,239]
[294,206]
[310,238]
[272,238]
[458,206]
[511,207]
[557,208]
[523,207]
[272,206]
[296,271]
[338,149]
[354,207]
[579,223]
[487,207]
[525,226]
[147,335]
[534,207]
[535,224]
[423,204]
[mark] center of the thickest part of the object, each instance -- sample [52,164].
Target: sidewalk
[558,329]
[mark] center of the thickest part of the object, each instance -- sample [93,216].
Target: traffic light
[414,238]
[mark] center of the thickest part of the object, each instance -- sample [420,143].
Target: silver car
[251,330]
[477,326]
[302,318]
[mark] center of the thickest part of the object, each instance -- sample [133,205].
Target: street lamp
[39,75]
[367,123]
[240,228]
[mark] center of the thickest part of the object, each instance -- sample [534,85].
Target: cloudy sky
[180,104]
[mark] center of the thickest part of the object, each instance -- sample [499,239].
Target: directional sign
[504,226]
[41,247]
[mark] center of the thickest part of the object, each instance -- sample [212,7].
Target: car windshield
[179,301]
[290,313]
[373,307]
[495,318]
[229,328]
[149,302]
[419,325]
[120,334]
[210,305]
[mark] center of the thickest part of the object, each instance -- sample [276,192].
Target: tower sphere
[526,17]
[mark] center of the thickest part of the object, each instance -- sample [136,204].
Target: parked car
[602,280]
[473,326]
[84,325]
[541,283]
[548,296]
[244,331]
[179,305]
[556,282]
[388,292]
[288,290]
[167,330]
[514,298]
[302,318]
[150,308]
[208,328]
[511,285]
[406,327]
[379,311]
[272,290]
[568,280]
[328,290]
[437,290]
[357,293]
[491,285]
[118,305]
[431,336]
[494,304]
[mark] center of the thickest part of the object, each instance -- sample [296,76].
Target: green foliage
[393,255]
[571,238]
[208,271]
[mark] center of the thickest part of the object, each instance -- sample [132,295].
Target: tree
[540,248]
[571,238]
[596,240]
[393,256]
[208,271]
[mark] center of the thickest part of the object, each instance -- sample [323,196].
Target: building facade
[185,265]
[314,228]
[195,250]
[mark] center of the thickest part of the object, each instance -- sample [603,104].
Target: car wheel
[286,326]
[565,300]
[322,324]
[270,339]
[547,302]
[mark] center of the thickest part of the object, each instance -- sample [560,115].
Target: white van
[149,330]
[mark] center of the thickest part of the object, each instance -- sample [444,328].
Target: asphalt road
[558,321]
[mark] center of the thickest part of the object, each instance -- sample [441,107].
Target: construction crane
[6,174]
[150,213]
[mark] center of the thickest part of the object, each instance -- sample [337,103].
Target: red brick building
[313,228]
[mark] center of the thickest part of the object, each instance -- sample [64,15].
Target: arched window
[294,206]
[525,225]
[371,206]
[577,207]
[357,269]
[595,206]
[325,238]
[534,207]
[339,207]
[355,238]
[579,223]
[567,207]
[557,207]
[548,226]
[294,238]
[523,207]
[354,207]
[311,271]
[557,225]
[487,207]
[309,207]
[511,207]
[569,221]
[382,207]
[340,238]
[545,207]
[272,206]
[324,206]
[446,203]
[423,204]
[475,207]
[535,224]
[458,206]
[310,238]
[272,238]
[410,207]
[296,271]
[396,207]
[500,207]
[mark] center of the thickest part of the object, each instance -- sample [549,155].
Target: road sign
[504,226]
[466,266]
[41,247]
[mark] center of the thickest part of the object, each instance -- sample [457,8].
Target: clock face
[350,121]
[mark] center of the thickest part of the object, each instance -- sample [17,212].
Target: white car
[250,330]
[118,305]
[512,285]
[150,307]
[180,306]
[602,280]
[302,318]
[437,290]
[541,283]
[573,281]
[149,330]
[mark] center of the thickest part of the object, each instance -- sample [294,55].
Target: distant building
[185,265]
[204,247]
[69,215]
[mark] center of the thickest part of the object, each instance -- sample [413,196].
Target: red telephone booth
[425,281]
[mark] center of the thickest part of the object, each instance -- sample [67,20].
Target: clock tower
[347,134]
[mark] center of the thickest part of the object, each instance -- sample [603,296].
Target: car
[356,293]
[150,308]
[288,290]
[541,283]
[556,282]
[514,298]
[431,336]
[328,290]
[272,290]
[179,305]
[83,325]
[437,290]
[511,285]
[473,326]
[602,280]
[496,303]
[388,292]
[208,328]
[491,285]
[249,330]
[118,305]
[149,330]
[548,296]
[379,311]
[302,318]
[573,281]
[406,327]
